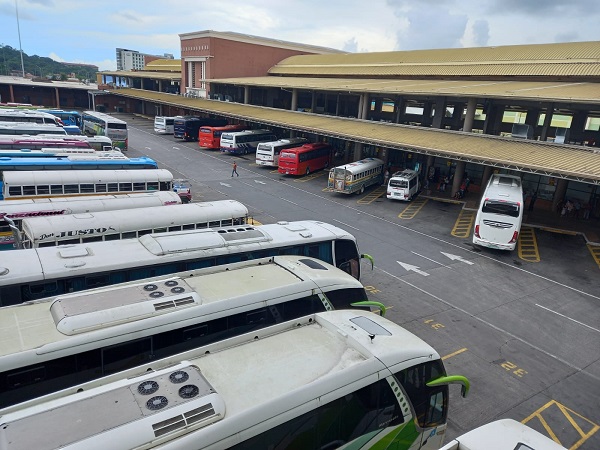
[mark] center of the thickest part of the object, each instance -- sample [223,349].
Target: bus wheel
[307,170]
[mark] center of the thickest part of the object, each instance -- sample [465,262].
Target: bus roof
[359,166]
[103,116]
[95,315]
[246,379]
[504,434]
[124,220]
[39,207]
[246,132]
[34,177]
[30,265]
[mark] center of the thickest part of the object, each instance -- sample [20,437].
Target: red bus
[210,137]
[305,159]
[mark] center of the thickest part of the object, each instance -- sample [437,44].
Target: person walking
[234,170]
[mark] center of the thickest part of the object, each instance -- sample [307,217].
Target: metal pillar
[294,100]
[440,112]
[547,122]
[459,174]
[246,95]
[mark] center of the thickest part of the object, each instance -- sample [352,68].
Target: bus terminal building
[529,110]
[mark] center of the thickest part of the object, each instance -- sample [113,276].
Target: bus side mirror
[452,379]
[370,258]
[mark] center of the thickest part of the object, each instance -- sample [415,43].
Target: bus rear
[403,185]
[244,142]
[267,153]
[500,213]
[164,125]
[210,137]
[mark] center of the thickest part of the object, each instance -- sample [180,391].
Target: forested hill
[10,63]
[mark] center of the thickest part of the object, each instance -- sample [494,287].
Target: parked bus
[24,185]
[70,117]
[208,305]
[403,185]
[187,127]
[356,176]
[243,142]
[305,159]
[77,161]
[31,274]
[267,153]
[164,125]
[73,130]
[210,137]
[49,141]
[503,434]
[17,210]
[29,129]
[50,231]
[500,213]
[100,124]
[31,116]
[336,379]
[46,152]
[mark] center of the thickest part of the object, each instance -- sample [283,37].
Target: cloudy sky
[89,31]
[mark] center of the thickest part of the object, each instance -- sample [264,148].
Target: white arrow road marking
[457,258]
[410,267]
[174,148]
[224,184]
[261,182]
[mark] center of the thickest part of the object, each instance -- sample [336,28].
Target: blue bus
[67,117]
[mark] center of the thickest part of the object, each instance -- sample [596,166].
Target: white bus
[74,183]
[31,274]
[343,378]
[403,185]
[504,434]
[32,116]
[100,124]
[243,142]
[267,153]
[54,140]
[50,231]
[30,129]
[356,176]
[17,210]
[500,213]
[158,317]
[164,125]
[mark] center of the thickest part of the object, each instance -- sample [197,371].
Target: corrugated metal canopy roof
[164,65]
[588,93]
[565,161]
[572,59]
[175,76]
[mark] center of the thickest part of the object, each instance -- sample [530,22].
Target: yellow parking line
[457,352]
[583,427]
[595,251]
[464,223]
[413,208]
[310,176]
[252,221]
[527,247]
[372,196]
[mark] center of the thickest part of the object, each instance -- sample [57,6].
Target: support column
[313,101]
[246,95]
[12,93]
[493,119]
[459,174]
[547,122]
[57,97]
[399,109]
[426,117]
[337,105]
[487,173]
[559,193]
[457,116]
[440,112]
[294,100]
[578,126]
[532,119]
[470,114]
[364,108]
[358,146]
[430,163]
